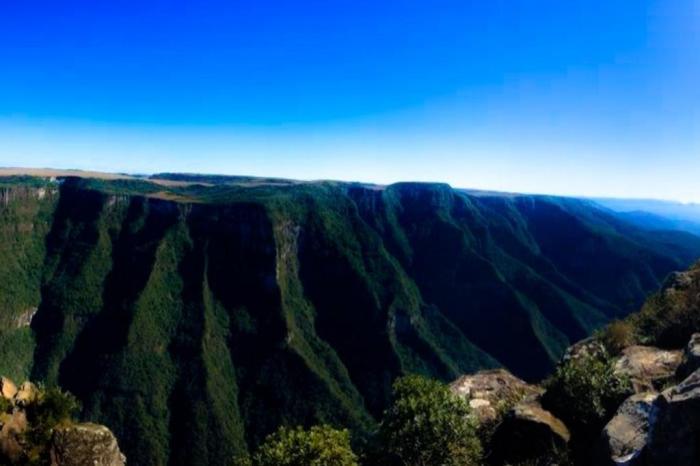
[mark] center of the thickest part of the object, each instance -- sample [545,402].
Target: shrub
[617,336]
[427,425]
[51,408]
[319,446]
[585,392]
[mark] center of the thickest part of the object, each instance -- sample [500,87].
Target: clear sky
[593,97]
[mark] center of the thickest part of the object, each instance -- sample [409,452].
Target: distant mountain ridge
[656,215]
[194,314]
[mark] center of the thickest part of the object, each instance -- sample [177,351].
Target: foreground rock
[85,444]
[648,367]
[8,389]
[34,431]
[675,435]
[492,392]
[527,431]
[626,436]
[691,357]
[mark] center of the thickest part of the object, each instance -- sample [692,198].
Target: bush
[427,425]
[617,336]
[51,408]
[319,446]
[585,392]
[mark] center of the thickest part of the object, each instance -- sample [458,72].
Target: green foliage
[51,407]
[318,446]
[586,391]
[426,425]
[670,317]
[194,329]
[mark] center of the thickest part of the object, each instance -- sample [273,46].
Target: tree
[318,446]
[427,425]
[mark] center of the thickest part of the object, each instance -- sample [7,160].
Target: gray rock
[648,367]
[527,432]
[85,444]
[675,434]
[492,392]
[691,357]
[626,437]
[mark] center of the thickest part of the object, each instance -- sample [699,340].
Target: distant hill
[656,215]
[193,315]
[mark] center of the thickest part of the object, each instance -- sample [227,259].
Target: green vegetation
[46,409]
[194,319]
[585,391]
[318,446]
[427,425]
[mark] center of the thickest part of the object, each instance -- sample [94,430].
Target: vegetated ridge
[195,317]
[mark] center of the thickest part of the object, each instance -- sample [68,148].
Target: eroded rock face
[492,391]
[85,444]
[526,432]
[648,367]
[626,436]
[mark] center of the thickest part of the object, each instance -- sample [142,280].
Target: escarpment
[194,320]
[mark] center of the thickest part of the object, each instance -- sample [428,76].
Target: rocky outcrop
[527,431]
[492,392]
[648,367]
[589,347]
[8,389]
[656,429]
[85,444]
[12,428]
[54,438]
[677,428]
[625,437]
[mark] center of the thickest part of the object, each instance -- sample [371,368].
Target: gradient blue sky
[593,97]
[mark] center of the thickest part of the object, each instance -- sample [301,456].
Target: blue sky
[580,97]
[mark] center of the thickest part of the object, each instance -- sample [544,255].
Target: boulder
[584,348]
[8,389]
[691,357]
[674,438]
[11,442]
[527,432]
[491,392]
[26,394]
[85,444]
[648,367]
[625,438]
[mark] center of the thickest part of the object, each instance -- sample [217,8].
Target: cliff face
[195,322]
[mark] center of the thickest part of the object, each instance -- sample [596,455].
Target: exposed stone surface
[71,444]
[583,348]
[12,426]
[677,428]
[25,318]
[85,444]
[625,437]
[691,357]
[492,391]
[526,432]
[648,367]
[8,389]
